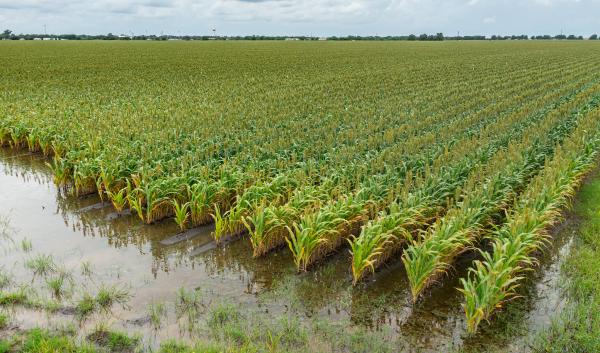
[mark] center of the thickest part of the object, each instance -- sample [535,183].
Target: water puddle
[153,261]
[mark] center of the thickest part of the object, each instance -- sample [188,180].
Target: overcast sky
[302,17]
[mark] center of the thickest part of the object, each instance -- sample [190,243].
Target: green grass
[255,333]
[114,341]
[4,321]
[4,346]
[85,307]
[157,312]
[577,328]
[107,297]
[189,305]
[103,301]
[41,265]
[5,279]
[18,297]
[42,341]
[26,245]
[223,314]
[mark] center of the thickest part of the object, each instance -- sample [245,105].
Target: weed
[26,245]
[188,305]
[157,311]
[41,265]
[107,297]
[222,315]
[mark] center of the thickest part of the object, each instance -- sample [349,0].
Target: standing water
[104,249]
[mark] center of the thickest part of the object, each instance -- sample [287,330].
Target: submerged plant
[87,269]
[189,306]
[41,265]
[85,307]
[58,283]
[26,245]
[157,312]
[107,297]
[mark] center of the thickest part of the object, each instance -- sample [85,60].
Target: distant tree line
[9,35]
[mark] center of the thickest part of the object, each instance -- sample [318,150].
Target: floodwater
[144,258]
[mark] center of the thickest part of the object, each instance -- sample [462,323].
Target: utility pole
[45,32]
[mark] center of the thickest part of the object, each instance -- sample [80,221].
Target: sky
[302,17]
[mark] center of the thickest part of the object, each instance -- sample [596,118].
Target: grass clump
[113,341]
[87,269]
[85,307]
[172,346]
[18,297]
[189,306]
[4,321]
[41,265]
[107,297]
[5,279]
[42,341]
[58,284]
[156,312]
[103,301]
[26,245]
[222,315]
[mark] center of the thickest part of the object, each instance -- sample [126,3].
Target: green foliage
[4,346]
[41,341]
[494,280]
[85,307]
[114,341]
[223,314]
[18,297]
[157,312]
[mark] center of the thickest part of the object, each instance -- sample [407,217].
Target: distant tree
[439,36]
[412,37]
[560,36]
[594,37]
[571,37]
[423,37]
[6,34]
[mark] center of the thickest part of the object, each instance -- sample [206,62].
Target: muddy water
[125,252]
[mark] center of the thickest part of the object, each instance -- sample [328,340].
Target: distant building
[291,38]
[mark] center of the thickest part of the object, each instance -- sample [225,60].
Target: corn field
[394,152]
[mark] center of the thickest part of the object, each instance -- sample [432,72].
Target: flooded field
[153,263]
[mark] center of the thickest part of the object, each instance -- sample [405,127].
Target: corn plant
[495,279]
[181,213]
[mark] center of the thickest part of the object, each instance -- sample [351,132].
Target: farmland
[446,163]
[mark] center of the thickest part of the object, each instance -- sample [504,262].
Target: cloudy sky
[302,17]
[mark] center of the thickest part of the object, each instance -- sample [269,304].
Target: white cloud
[325,17]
